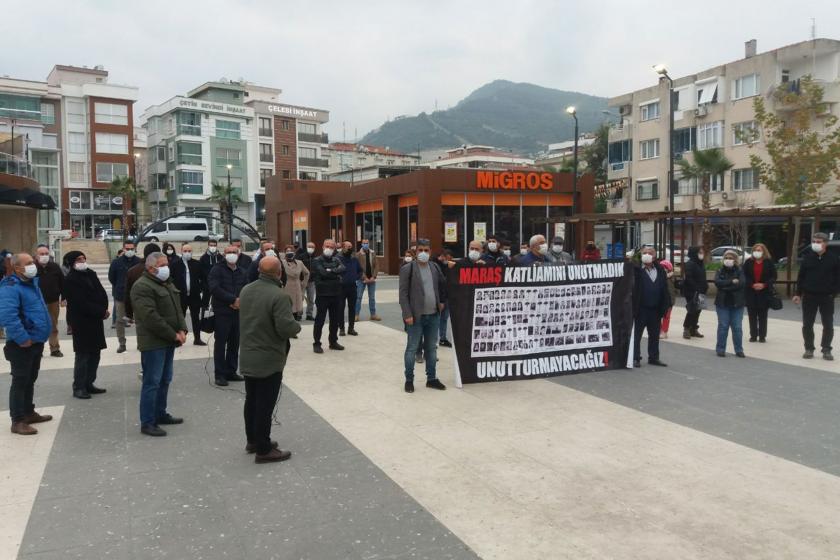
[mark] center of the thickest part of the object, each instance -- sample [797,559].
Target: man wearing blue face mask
[160,329]
[370,270]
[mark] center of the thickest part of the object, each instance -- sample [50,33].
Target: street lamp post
[663,73]
[136,197]
[229,203]
[573,112]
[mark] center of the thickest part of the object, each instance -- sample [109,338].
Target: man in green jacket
[267,323]
[160,328]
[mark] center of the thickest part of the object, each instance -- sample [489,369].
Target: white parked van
[181,229]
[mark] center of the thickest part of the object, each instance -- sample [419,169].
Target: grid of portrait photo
[522,321]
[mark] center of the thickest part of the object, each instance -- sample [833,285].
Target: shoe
[235,377]
[81,394]
[317,349]
[721,354]
[273,456]
[762,339]
[357,318]
[753,339]
[687,334]
[56,354]
[169,420]
[637,363]
[221,382]
[199,342]
[310,318]
[252,447]
[35,418]
[419,358]
[827,355]
[657,362]
[808,354]
[409,386]
[445,343]
[121,349]
[352,332]
[94,390]
[336,346]
[740,354]
[23,429]
[435,384]
[696,334]
[375,318]
[341,332]
[152,430]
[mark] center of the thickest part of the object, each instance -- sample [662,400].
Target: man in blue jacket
[352,274]
[24,315]
[116,276]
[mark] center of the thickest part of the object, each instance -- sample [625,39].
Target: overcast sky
[366,61]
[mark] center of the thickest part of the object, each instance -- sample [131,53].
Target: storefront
[450,207]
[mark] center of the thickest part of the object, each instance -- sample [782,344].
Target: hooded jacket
[23,312]
[695,275]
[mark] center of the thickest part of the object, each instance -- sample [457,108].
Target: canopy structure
[27,197]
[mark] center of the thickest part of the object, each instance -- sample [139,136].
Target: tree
[595,155]
[221,195]
[130,192]
[707,165]
[801,158]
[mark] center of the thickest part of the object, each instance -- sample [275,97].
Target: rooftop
[366,148]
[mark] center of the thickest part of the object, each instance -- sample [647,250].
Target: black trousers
[25,365]
[331,305]
[348,300]
[651,320]
[758,321]
[194,307]
[226,345]
[260,398]
[84,370]
[691,320]
[811,303]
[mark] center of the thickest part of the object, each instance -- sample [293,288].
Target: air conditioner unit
[701,111]
[724,196]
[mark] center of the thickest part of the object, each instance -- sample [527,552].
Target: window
[264,175]
[307,153]
[710,135]
[76,142]
[189,123]
[744,133]
[744,179]
[284,150]
[45,168]
[161,153]
[225,156]
[685,140]
[107,172]
[20,107]
[227,129]
[47,113]
[75,112]
[111,143]
[171,152]
[686,187]
[110,113]
[308,176]
[745,86]
[650,111]
[265,153]
[370,225]
[286,174]
[189,153]
[80,200]
[707,93]
[306,128]
[647,190]
[78,172]
[649,149]
[265,126]
[284,124]
[716,183]
[160,181]
[190,182]
[619,152]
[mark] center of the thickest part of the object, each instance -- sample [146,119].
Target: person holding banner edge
[651,300]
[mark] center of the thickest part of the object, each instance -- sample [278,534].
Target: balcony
[621,131]
[14,165]
[189,129]
[266,158]
[314,138]
[266,132]
[313,162]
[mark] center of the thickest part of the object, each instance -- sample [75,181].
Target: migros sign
[514,180]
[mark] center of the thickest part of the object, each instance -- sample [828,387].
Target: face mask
[728,263]
[163,273]
[408,259]
[212,249]
[231,257]
[43,259]
[290,256]
[423,257]
[186,256]
[701,256]
[80,266]
[365,246]
[310,250]
[129,253]
[758,254]
[474,255]
[647,258]
[348,251]
[523,251]
[169,252]
[506,252]
[543,248]
[816,247]
[492,246]
[30,271]
[557,248]
[328,252]
[270,253]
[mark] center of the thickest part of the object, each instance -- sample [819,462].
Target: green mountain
[524,118]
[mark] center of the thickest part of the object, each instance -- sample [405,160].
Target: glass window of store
[534,216]
[479,216]
[507,217]
[369,223]
[407,223]
[337,224]
[300,228]
[454,222]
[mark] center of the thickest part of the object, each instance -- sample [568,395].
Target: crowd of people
[255,305]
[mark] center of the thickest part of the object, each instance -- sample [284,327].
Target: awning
[29,198]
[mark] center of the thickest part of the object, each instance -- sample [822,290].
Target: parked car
[717,253]
[662,252]
[179,230]
[113,235]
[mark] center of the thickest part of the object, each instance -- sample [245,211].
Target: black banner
[514,323]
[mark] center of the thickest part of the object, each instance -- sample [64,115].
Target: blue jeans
[157,375]
[730,317]
[444,319]
[360,290]
[427,328]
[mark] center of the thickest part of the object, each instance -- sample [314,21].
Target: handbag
[696,303]
[207,323]
[775,302]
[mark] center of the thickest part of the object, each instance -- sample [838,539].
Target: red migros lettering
[514,180]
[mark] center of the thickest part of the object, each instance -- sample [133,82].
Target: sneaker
[435,384]
[375,317]
[121,349]
[357,318]
[808,354]
[352,332]
[827,355]
[23,429]
[336,346]
[152,430]
[317,349]
[409,386]
[445,343]
[252,447]
[56,354]
[35,418]
[273,456]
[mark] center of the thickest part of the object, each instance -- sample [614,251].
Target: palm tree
[223,194]
[130,192]
[707,164]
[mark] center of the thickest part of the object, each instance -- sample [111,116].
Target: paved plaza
[707,458]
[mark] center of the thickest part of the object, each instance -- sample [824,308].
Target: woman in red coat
[760,275]
[591,252]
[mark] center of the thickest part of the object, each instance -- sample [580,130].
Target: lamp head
[229,166]
[661,70]
[571,110]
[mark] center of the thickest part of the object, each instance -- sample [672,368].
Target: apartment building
[478,157]
[560,153]
[711,109]
[345,156]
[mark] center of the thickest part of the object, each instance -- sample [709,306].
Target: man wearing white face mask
[474,257]
[225,283]
[327,272]
[187,277]
[208,260]
[266,250]
[557,255]
[116,276]
[51,280]
[651,300]
[494,254]
[537,252]
[816,287]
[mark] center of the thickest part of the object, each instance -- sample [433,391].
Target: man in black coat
[51,281]
[208,260]
[188,279]
[651,300]
[116,276]
[266,249]
[244,261]
[327,273]
[816,287]
[695,283]
[225,282]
